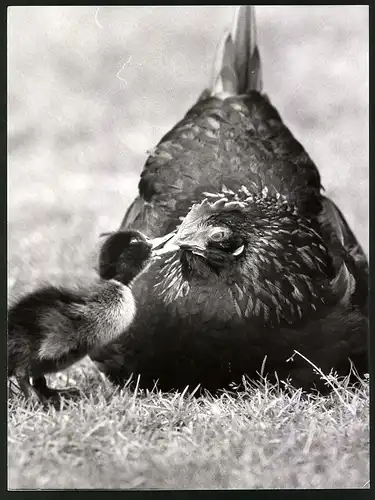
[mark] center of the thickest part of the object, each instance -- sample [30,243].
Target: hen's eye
[226,241]
[218,236]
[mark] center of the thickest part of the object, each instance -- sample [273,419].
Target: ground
[89,93]
[262,437]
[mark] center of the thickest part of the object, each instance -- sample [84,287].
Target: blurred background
[91,90]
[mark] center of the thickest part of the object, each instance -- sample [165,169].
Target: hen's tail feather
[237,67]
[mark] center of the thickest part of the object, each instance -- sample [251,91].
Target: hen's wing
[351,281]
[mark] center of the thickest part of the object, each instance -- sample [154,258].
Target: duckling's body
[52,328]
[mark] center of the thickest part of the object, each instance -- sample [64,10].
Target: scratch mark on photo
[123,66]
[96,18]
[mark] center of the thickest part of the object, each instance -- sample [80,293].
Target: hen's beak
[195,249]
[163,244]
[174,243]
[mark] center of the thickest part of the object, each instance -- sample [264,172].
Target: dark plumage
[52,328]
[123,255]
[262,265]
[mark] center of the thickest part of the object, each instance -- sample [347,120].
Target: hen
[261,266]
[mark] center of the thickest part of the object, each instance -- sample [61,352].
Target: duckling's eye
[134,239]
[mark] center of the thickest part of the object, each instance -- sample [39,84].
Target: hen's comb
[203,210]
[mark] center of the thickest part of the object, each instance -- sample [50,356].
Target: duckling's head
[123,256]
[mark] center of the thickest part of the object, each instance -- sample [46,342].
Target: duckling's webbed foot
[53,396]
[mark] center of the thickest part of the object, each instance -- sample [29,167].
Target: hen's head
[255,245]
[239,228]
[211,235]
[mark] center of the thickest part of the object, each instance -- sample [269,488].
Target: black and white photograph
[187,247]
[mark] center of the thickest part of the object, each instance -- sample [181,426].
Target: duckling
[54,327]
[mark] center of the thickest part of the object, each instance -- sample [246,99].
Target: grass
[77,141]
[261,437]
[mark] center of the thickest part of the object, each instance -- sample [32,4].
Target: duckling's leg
[25,386]
[53,395]
[40,384]
[45,393]
[27,389]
